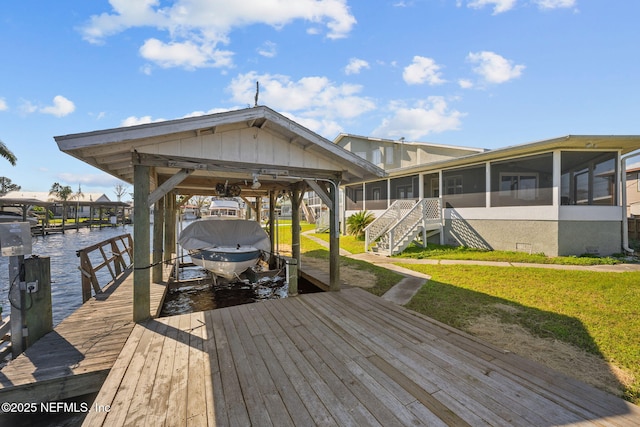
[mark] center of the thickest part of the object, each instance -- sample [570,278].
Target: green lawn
[385,278]
[348,243]
[463,253]
[598,312]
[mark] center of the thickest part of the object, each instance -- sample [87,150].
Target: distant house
[82,203]
[560,196]
[633,192]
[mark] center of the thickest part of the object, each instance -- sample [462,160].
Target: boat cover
[211,233]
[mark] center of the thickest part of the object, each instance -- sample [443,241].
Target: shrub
[357,222]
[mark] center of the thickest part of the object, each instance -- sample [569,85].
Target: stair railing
[386,220]
[425,212]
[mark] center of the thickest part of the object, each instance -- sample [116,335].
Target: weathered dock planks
[340,358]
[76,357]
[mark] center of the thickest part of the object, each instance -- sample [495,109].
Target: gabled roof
[224,148]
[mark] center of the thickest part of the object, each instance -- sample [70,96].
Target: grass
[385,278]
[464,253]
[348,242]
[597,312]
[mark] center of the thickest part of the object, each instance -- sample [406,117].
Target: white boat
[224,209]
[226,248]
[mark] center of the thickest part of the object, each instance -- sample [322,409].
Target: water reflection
[199,292]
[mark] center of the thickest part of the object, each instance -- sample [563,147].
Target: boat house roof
[197,154]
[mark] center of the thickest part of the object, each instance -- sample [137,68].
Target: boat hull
[225,262]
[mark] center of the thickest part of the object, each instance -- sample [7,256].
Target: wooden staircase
[402,223]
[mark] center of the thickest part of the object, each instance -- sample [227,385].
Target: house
[82,202]
[633,192]
[560,196]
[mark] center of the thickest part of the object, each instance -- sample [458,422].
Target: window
[376,157]
[588,178]
[353,196]
[431,184]
[405,187]
[376,195]
[453,185]
[388,155]
[519,186]
[526,181]
[404,192]
[464,188]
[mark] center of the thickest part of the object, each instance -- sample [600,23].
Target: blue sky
[479,73]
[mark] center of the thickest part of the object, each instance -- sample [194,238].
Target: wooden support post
[334,239]
[64,216]
[272,230]
[158,242]
[295,223]
[292,276]
[141,237]
[259,209]
[89,279]
[169,226]
[38,316]
[17,312]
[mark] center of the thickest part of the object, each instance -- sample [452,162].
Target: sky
[476,73]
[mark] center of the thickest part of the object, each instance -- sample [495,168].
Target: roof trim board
[164,145]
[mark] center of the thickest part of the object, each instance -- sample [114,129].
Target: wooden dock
[76,357]
[340,358]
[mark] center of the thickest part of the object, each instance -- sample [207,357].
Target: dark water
[204,294]
[66,290]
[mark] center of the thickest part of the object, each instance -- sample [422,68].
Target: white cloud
[555,4]
[268,49]
[27,107]
[422,70]
[212,111]
[61,107]
[355,66]
[417,121]
[3,105]
[127,14]
[316,101]
[499,6]
[143,120]
[317,94]
[494,68]
[146,69]
[187,54]
[133,120]
[196,28]
[328,128]
[465,83]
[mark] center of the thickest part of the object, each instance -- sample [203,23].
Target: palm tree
[61,193]
[7,154]
[357,222]
[79,195]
